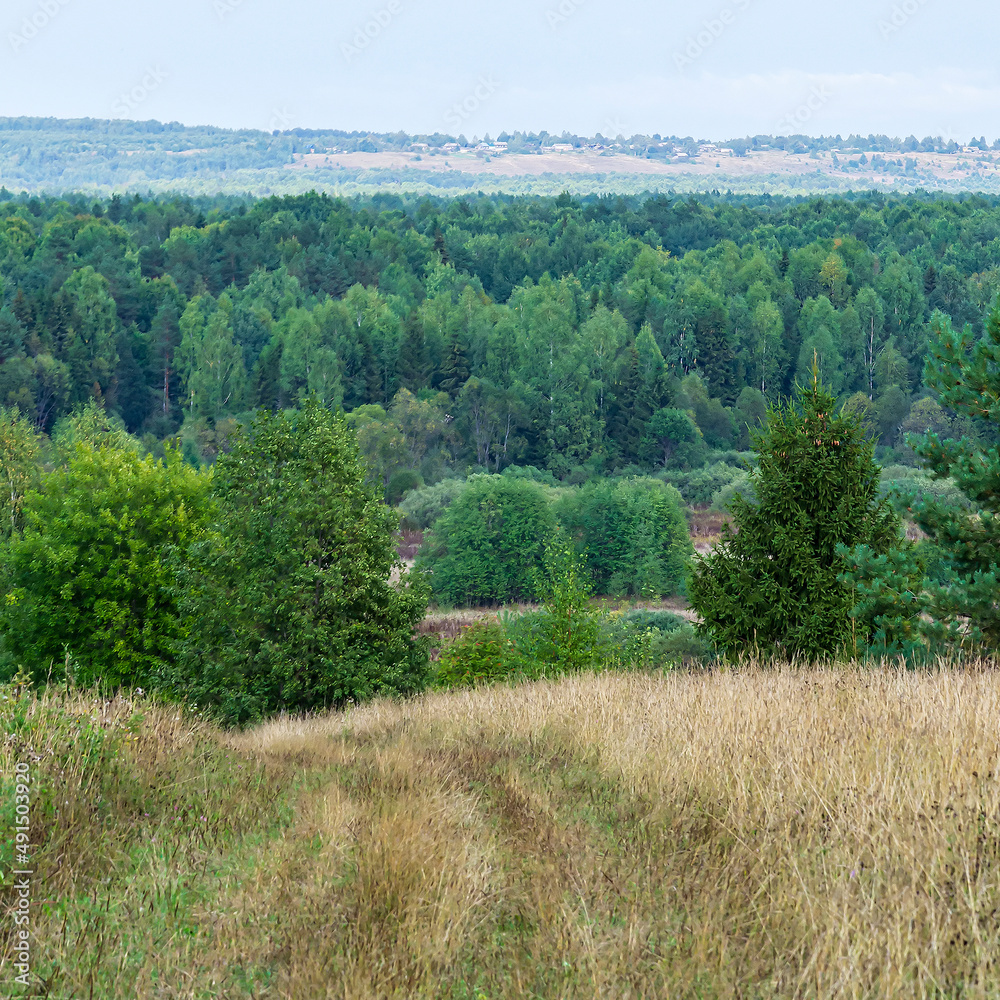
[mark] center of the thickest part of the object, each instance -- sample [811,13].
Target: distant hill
[102,156]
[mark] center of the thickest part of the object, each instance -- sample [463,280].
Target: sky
[712,70]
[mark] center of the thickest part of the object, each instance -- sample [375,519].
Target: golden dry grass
[754,833]
[786,833]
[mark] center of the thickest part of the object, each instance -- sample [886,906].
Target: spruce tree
[455,371]
[956,608]
[772,584]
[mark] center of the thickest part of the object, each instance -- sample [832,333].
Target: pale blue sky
[708,69]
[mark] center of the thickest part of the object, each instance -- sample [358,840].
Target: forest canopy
[574,335]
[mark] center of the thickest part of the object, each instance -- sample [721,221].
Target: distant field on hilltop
[56,155]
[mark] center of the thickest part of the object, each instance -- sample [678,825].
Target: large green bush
[289,600]
[488,546]
[88,574]
[700,486]
[633,534]
[422,507]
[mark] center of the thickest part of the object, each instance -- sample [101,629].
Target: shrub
[488,546]
[401,483]
[742,485]
[289,600]
[482,654]
[564,637]
[633,534]
[700,486]
[628,638]
[422,507]
[530,473]
[915,485]
[570,630]
[660,621]
[679,645]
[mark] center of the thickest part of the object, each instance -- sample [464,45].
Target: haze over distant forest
[109,156]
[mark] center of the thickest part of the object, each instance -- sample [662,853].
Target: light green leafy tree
[92,351]
[211,362]
[89,574]
[309,362]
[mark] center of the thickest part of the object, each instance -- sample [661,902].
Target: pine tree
[628,410]
[773,584]
[958,610]
[715,353]
[455,372]
[412,364]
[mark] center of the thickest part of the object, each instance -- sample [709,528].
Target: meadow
[764,831]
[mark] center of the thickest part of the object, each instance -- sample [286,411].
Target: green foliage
[889,602]
[531,474]
[700,486]
[673,438]
[967,377]
[907,485]
[632,534]
[565,636]
[943,596]
[660,621]
[289,602]
[563,334]
[773,584]
[422,507]
[91,423]
[570,630]
[400,483]
[742,485]
[682,645]
[488,546]
[650,639]
[89,572]
[483,653]
[19,454]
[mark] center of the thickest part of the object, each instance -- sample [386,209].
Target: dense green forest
[578,336]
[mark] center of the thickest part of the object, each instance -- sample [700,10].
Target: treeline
[59,155]
[580,336]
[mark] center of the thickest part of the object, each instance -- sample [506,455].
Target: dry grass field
[709,165]
[762,832]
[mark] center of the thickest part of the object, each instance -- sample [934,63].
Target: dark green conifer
[955,609]
[772,584]
[455,372]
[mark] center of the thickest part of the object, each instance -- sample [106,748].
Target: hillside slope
[828,833]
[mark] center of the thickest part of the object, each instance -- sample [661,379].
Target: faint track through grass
[757,833]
